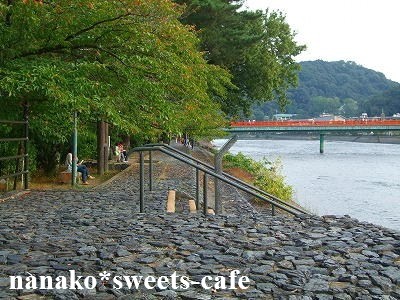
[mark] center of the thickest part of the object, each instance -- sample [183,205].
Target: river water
[357,179]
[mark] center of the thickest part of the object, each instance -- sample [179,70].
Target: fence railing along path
[207,170]
[24,156]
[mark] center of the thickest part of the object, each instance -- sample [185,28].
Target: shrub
[267,175]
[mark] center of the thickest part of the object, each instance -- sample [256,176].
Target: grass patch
[265,175]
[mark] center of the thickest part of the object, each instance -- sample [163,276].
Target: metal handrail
[14,175]
[206,172]
[247,185]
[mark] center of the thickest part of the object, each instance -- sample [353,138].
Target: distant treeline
[340,87]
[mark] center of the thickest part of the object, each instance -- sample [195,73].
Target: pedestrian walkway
[100,231]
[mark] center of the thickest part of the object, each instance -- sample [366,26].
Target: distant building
[283,116]
[329,117]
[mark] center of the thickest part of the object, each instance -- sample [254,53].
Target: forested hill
[338,87]
[339,79]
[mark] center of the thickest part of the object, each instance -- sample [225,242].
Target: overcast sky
[363,31]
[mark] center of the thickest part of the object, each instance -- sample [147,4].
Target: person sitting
[117,152]
[79,168]
[123,153]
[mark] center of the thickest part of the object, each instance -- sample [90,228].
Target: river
[357,179]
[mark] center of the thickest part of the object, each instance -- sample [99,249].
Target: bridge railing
[207,171]
[305,123]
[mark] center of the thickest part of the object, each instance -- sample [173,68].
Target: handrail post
[141,181]
[150,171]
[206,170]
[200,163]
[197,189]
[218,169]
[17,167]
[205,198]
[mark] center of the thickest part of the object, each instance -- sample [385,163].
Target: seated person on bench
[80,168]
[120,152]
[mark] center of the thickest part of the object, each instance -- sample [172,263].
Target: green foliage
[341,79]
[319,105]
[267,175]
[388,102]
[258,48]
[131,63]
[7,149]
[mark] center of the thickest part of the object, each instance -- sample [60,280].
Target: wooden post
[192,206]
[171,201]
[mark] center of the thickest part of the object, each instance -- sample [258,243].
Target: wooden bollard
[211,211]
[192,206]
[171,201]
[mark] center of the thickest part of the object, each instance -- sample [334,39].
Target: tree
[388,102]
[350,108]
[258,48]
[131,63]
[321,105]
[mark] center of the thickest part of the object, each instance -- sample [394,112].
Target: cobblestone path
[307,257]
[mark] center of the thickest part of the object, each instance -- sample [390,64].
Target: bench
[66,177]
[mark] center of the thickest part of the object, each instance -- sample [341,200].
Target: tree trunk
[127,142]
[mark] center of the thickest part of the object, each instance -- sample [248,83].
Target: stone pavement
[307,257]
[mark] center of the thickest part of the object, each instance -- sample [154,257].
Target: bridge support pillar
[321,142]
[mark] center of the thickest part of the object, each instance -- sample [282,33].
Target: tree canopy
[258,48]
[129,62]
[387,102]
[146,67]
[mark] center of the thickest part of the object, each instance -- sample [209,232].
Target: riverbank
[364,138]
[100,231]
[356,179]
